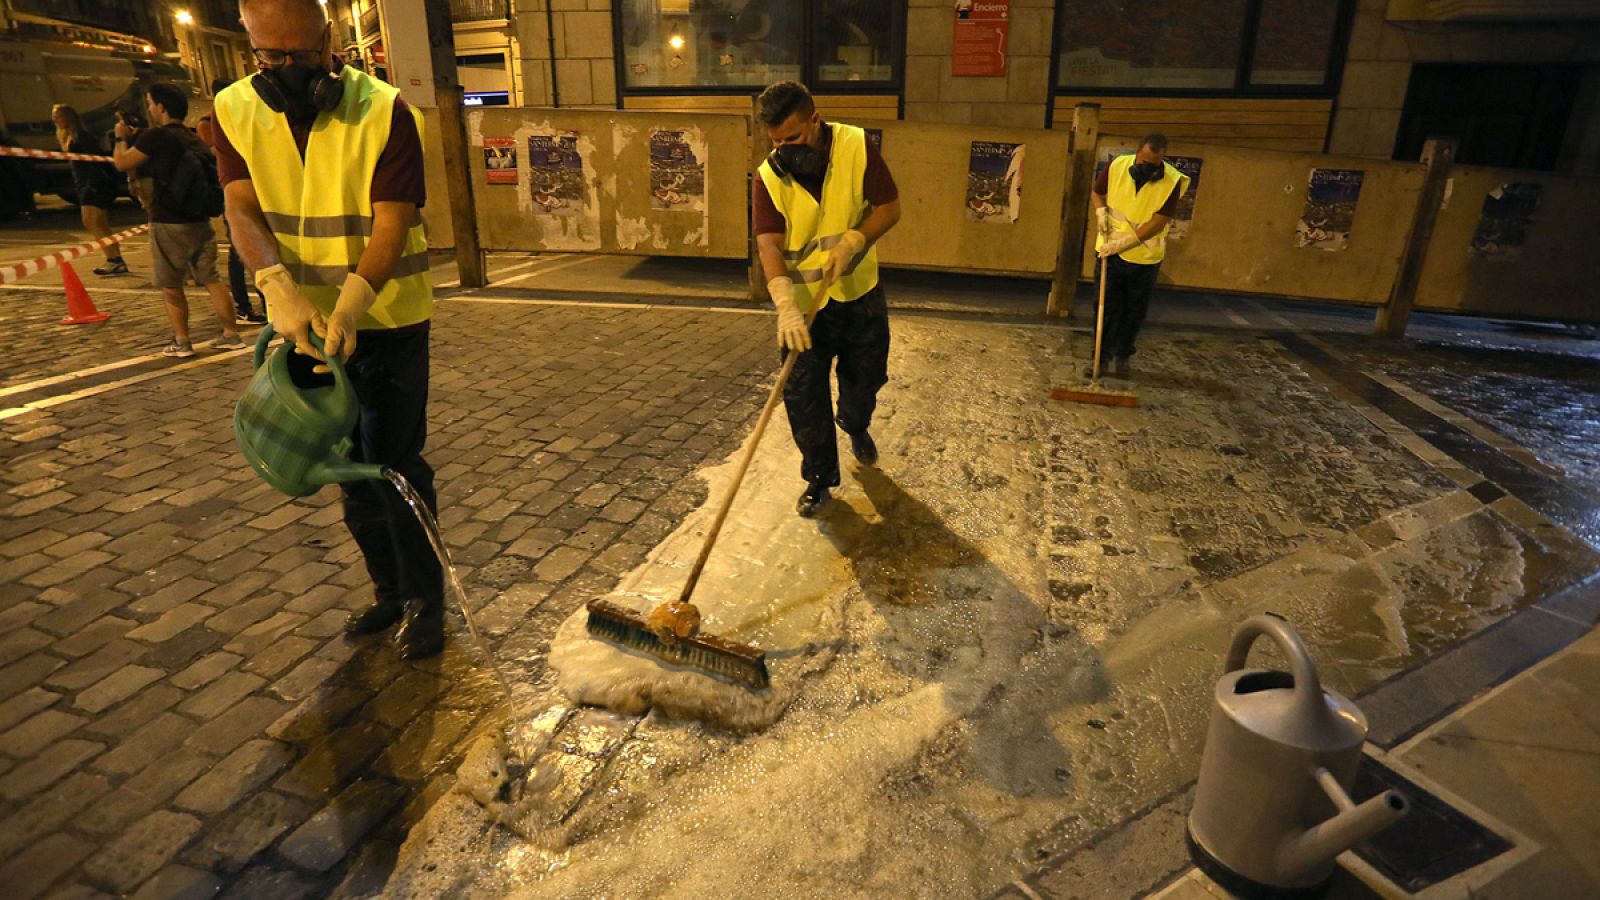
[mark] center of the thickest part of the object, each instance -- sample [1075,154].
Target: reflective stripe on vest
[811,230]
[1131,207]
[320,209]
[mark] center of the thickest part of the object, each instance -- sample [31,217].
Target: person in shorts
[181,246]
[94,182]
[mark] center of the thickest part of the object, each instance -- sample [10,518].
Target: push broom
[671,631]
[1094,393]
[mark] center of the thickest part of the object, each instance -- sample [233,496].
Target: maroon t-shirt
[1102,186]
[398,177]
[877,185]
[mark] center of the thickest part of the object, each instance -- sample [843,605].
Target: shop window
[736,45]
[1176,46]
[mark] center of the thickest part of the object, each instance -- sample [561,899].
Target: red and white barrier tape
[50,154]
[19,271]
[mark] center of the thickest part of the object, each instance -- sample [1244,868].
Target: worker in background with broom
[810,228]
[1134,198]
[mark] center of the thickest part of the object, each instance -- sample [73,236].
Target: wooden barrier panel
[844,107]
[1242,236]
[1512,254]
[1286,124]
[584,181]
[939,228]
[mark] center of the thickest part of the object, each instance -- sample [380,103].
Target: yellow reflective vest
[811,229]
[1132,207]
[320,208]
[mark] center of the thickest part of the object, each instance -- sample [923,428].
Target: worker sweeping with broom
[823,198]
[1134,198]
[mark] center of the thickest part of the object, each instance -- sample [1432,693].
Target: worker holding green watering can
[322,169]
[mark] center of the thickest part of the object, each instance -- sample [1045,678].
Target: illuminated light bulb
[676,41]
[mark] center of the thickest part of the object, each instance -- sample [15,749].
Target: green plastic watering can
[294,425]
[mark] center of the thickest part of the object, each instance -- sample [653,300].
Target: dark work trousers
[1128,289]
[857,335]
[390,373]
[241,293]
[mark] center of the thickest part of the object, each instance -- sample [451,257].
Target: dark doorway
[1510,116]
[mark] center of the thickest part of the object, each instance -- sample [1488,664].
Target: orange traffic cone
[80,309]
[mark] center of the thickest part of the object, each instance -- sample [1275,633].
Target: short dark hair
[170,98]
[782,100]
[1156,141]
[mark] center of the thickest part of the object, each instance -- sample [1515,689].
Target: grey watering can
[1272,809]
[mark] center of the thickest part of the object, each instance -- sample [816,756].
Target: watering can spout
[339,472]
[1351,825]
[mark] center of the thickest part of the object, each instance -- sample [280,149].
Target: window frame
[808,63]
[1242,88]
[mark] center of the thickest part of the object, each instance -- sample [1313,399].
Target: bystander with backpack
[187,196]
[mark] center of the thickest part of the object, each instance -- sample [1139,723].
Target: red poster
[980,44]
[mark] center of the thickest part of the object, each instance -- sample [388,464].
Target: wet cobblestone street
[998,643]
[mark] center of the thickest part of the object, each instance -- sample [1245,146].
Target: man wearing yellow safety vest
[823,199]
[322,170]
[1133,200]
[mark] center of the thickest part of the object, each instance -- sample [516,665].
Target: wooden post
[760,146]
[1437,154]
[453,138]
[1075,208]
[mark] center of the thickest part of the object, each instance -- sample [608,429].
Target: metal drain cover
[1434,842]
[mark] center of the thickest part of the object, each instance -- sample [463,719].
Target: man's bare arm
[391,220]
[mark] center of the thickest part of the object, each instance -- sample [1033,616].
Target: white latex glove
[840,255]
[1118,244]
[293,316]
[355,298]
[792,331]
[1103,219]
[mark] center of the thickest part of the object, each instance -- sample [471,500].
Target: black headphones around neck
[326,91]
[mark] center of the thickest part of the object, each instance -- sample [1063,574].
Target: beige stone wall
[1019,99]
[586,72]
[1378,67]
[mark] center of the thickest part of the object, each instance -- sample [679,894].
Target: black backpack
[194,191]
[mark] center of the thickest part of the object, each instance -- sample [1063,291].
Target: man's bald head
[287,25]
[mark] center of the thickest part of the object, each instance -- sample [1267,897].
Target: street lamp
[184,17]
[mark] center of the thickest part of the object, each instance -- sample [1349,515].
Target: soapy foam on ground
[964,728]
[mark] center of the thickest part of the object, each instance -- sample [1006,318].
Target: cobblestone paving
[178,710]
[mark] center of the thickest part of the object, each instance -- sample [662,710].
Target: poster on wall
[560,196]
[677,172]
[1507,215]
[994,182]
[500,160]
[1330,209]
[1183,210]
[981,30]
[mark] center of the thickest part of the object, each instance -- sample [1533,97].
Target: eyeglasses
[270,58]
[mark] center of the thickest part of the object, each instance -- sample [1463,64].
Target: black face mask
[800,160]
[298,82]
[1144,173]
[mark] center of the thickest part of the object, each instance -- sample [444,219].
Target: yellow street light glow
[676,41]
[184,18]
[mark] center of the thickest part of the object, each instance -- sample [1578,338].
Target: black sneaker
[376,617]
[864,448]
[815,497]
[250,318]
[421,635]
[112,267]
[1120,367]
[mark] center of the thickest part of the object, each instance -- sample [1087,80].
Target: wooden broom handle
[751,444]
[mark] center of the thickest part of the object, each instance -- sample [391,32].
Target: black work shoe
[421,635]
[864,448]
[815,497]
[376,617]
[1105,369]
[1120,367]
